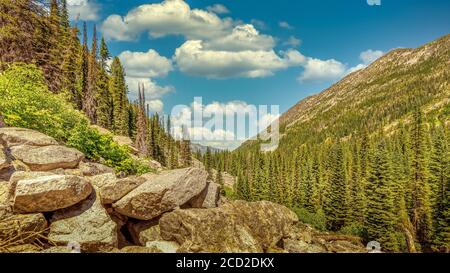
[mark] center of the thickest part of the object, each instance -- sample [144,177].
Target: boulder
[4,196]
[50,193]
[21,229]
[162,193]
[57,250]
[163,246]
[208,198]
[112,189]
[20,136]
[143,232]
[47,158]
[235,227]
[92,169]
[87,224]
[25,248]
[138,250]
[4,162]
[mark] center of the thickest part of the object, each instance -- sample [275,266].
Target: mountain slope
[382,94]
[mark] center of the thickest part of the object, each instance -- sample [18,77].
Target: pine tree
[440,179]
[208,163]
[420,192]
[104,97]
[142,124]
[118,90]
[380,206]
[83,69]
[90,96]
[334,210]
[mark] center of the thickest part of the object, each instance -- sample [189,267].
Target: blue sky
[269,52]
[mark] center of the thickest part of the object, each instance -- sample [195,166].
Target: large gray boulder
[18,228]
[208,198]
[237,226]
[47,158]
[162,193]
[50,193]
[112,189]
[87,224]
[20,136]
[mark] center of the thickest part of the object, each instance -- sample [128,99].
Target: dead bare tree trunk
[409,240]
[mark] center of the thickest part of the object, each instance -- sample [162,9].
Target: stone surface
[112,189]
[145,231]
[235,227]
[26,248]
[208,198]
[5,202]
[50,193]
[47,158]
[138,250]
[20,136]
[92,169]
[163,246]
[4,163]
[161,193]
[23,228]
[86,223]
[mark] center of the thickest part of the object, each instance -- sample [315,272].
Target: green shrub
[316,220]
[26,102]
[354,229]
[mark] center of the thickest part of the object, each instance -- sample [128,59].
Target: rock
[112,189]
[138,249]
[47,158]
[22,175]
[163,246]
[162,193]
[208,198]
[92,169]
[57,249]
[87,224]
[126,141]
[155,165]
[21,136]
[294,246]
[4,162]
[23,228]
[237,226]
[143,232]
[50,193]
[4,197]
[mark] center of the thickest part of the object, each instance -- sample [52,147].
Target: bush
[316,220]
[26,102]
[354,230]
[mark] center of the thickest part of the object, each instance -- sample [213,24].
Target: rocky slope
[52,200]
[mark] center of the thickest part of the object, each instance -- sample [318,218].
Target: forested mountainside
[368,156]
[48,74]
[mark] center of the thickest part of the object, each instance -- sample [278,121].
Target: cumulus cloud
[145,64]
[218,9]
[215,128]
[83,10]
[285,25]
[152,89]
[325,70]
[171,17]
[369,56]
[194,59]
[155,105]
[293,42]
[322,70]
[259,24]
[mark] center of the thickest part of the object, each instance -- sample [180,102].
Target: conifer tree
[90,96]
[142,124]
[380,206]
[118,90]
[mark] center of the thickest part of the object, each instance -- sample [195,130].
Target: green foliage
[316,220]
[26,102]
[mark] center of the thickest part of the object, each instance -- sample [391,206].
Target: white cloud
[259,24]
[218,9]
[192,58]
[285,25]
[369,56]
[145,64]
[83,10]
[152,89]
[155,105]
[171,17]
[243,37]
[322,70]
[293,42]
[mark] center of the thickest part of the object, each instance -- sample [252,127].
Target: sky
[236,53]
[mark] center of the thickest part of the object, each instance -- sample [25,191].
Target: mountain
[198,148]
[368,156]
[379,96]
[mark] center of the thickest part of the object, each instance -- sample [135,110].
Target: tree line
[394,189]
